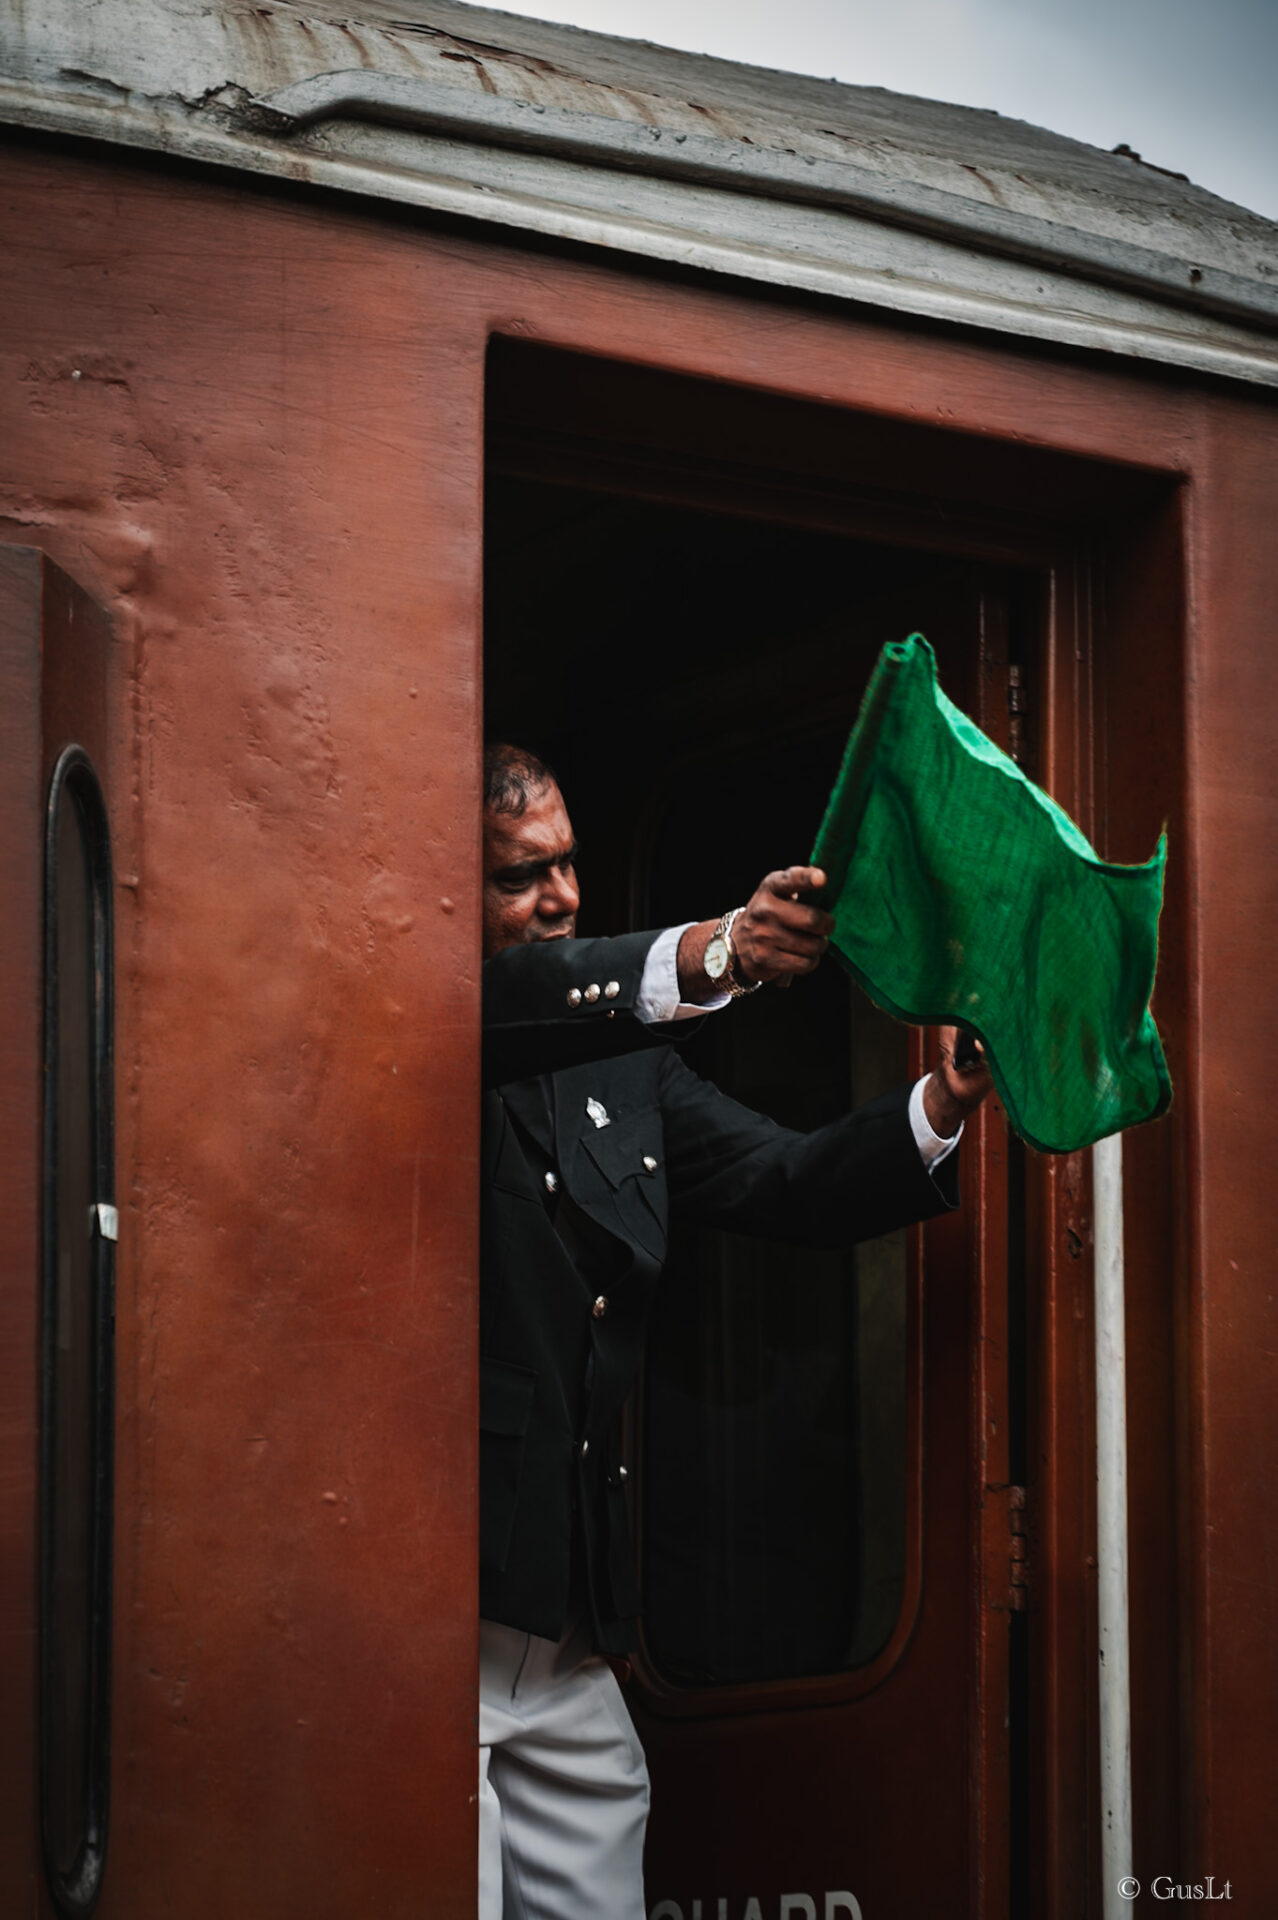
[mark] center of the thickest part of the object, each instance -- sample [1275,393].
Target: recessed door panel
[60,1226]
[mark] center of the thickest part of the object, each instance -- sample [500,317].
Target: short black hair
[512,775]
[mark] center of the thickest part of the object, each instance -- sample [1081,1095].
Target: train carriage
[378,374]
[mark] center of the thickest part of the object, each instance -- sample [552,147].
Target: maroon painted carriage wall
[252,426]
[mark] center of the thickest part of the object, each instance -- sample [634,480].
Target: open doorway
[686,587]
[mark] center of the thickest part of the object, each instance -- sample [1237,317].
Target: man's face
[530,888]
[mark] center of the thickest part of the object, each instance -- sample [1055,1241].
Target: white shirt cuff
[932,1147]
[658,999]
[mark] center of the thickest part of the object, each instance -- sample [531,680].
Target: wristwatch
[720,960]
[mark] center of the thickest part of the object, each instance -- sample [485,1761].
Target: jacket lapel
[570,1092]
[527,1101]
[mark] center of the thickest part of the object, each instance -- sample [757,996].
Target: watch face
[716,958]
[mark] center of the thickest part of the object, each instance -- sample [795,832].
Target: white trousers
[563,1785]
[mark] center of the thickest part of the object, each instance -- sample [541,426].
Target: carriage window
[773,1414]
[78,1319]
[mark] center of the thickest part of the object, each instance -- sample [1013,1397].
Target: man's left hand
[951,1092]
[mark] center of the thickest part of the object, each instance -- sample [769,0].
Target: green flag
[961,892]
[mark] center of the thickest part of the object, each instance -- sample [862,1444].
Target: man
[594,1134]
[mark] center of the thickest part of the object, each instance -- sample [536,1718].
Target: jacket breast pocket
[505,1411]
[629,1153]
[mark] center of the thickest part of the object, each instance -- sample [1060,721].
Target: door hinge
[1017,711]
[1017,1551]
[1006,1546]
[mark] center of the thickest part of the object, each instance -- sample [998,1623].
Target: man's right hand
[776,935]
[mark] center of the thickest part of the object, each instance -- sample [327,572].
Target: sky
[1190,84]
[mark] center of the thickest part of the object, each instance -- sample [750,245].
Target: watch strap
[732,982]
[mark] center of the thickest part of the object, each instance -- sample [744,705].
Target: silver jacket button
[612,989]
[552,1182]
[592,992]
[584,1448]
[574,996]
[623,1473]
[649,1163]
[600,1307]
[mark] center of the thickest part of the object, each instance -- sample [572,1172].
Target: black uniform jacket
[578,1088]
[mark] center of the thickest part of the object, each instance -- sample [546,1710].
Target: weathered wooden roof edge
[808,184]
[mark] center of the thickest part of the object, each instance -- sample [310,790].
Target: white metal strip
[1111,1529]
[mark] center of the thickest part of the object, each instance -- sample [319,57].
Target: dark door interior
[806,1502]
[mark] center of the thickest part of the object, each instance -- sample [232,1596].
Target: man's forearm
[695,985]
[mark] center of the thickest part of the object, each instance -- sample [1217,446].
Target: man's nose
[559,895]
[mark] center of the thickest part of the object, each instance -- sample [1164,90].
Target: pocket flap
[505,1397]
[621,1149]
